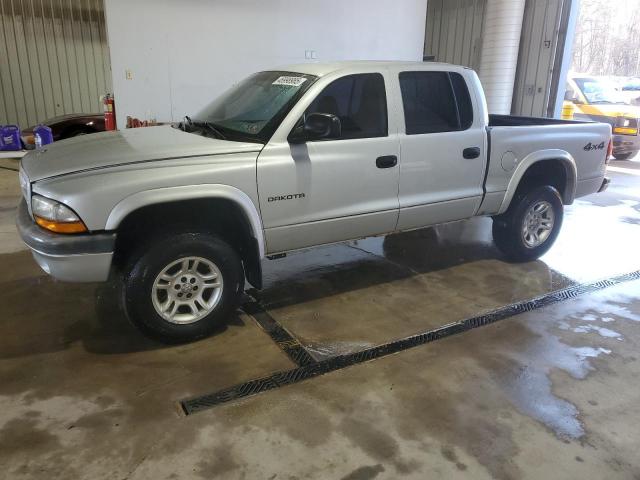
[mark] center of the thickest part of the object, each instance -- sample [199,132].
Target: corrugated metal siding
[454,31]
[54,59]
[538,46]
[502,28]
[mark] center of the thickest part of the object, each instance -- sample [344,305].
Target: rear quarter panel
[514,149]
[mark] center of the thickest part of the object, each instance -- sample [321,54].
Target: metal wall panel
[54,59]
[538,47]
[454,31]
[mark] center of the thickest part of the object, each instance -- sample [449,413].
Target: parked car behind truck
[289,159]
[600,100]
[68,126]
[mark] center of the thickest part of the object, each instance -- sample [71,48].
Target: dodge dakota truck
[293,158]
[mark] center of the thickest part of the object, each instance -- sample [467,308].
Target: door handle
[387,161]
[471,152]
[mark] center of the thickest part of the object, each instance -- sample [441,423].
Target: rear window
[435,102]
[463,100]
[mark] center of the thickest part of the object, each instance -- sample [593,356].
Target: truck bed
[516,142]
[515,121]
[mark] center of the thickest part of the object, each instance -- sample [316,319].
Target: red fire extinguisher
[109,112]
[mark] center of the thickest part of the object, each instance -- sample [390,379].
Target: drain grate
[314,369]
[290,345]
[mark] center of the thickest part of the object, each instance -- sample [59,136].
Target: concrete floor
[552,393]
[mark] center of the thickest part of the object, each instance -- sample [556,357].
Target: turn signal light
[55,216]
[61,227]
[625,131]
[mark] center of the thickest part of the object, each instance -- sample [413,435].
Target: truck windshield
[253,109]
[597,90]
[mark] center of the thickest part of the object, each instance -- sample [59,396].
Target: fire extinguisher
[109,112]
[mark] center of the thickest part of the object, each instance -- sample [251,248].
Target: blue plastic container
[43,135]
[10,138]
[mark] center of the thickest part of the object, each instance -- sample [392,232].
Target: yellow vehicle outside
[598,99]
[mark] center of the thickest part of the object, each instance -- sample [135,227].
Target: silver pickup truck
[293,158]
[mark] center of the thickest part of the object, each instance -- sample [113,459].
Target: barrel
[43,135]
[10,138]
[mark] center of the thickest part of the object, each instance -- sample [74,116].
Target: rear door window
[359,101]
[435,102]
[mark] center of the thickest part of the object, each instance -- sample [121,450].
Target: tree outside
[608,38]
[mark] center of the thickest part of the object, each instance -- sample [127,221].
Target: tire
[539,207]
[625,156]
[193,263]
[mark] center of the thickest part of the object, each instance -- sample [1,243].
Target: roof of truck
[320,69]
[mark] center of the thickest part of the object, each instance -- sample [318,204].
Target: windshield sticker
[290,81]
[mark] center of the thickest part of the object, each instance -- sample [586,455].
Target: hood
[109,149]
[81,117]
[72,116]
[615,110]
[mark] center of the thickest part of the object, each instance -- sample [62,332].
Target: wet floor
[548,393]
[341,298]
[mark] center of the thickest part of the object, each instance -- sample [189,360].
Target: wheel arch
[558,164]
[236,206]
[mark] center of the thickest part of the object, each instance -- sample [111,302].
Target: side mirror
[317,126]
[570,96]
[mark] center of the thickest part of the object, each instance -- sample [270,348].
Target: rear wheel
[181,288]
[531,224]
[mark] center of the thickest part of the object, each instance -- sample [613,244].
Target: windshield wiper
[211,128]
[185,123]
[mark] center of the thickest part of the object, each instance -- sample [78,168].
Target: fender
[189,192]
[552,154]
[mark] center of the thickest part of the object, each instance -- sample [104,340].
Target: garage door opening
[55,59]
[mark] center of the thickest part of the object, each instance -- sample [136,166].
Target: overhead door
[454,31]
[539,55]
[54,59]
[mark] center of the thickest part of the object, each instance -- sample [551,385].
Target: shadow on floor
[437,251]
[42,315]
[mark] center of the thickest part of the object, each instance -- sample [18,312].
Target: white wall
[182,54]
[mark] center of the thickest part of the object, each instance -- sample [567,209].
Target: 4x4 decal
[590,147]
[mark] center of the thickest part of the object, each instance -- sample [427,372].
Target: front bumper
[70,258]
[626,144]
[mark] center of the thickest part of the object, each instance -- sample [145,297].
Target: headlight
[626,126]
[55,216]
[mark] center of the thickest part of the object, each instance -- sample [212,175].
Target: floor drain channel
[289,377]
[290,345]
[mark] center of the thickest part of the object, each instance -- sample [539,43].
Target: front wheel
[181,288]
[530,226]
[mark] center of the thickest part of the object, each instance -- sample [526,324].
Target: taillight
[625,126]
[609,151]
